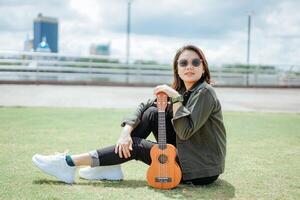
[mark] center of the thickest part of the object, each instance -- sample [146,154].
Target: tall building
[28,44]
[45,27]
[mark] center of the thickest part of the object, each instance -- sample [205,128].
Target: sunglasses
[184,62]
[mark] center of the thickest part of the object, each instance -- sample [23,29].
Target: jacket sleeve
[135,118]
[188,120]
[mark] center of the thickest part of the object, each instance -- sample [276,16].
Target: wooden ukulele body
[164,172]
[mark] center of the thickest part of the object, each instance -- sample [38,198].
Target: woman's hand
[171,93]
[167,89]
[124,143]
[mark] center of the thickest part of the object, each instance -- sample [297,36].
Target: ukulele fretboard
[162,139]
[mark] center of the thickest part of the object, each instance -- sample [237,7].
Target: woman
[194,124]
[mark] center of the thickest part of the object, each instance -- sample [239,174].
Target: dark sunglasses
[184,62]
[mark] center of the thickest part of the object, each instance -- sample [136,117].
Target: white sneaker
[112,172]
[55,165]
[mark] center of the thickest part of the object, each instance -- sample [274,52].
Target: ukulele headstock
[162,101]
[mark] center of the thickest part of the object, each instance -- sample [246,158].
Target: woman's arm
[176,106]
[187,121]
[134,119]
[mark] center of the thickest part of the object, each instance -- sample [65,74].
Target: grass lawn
[263,156]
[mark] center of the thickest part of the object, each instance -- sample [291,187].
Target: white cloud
[278,39]
[160,27]
[88,11]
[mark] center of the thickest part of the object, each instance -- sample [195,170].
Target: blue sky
[160,27]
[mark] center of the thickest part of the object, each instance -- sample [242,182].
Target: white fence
[37,68]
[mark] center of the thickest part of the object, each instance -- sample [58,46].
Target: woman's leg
[149,123]
[141,147]
[62,167]
[84,159]
[107,156]
[202,181]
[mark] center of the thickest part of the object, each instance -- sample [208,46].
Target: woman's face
[190,67]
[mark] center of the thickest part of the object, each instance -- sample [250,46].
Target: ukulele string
[163,150]
[164,136]
[160,167]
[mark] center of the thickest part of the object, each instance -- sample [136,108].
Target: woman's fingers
[123,150]
[163,88]
[116,148]
[158,89]
[126,152]
[155,90]
[120,151]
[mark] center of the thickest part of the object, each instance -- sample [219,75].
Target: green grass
[262,162]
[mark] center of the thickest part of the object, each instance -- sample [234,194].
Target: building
[28,44]
[45,27]
[100,49]
[43,46]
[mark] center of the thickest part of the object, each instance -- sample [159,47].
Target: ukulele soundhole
[162,158]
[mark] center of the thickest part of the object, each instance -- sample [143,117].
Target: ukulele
[164,172]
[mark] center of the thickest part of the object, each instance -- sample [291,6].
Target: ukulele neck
[162,139]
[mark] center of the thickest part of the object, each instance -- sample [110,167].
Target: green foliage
[146,62]
[242,68]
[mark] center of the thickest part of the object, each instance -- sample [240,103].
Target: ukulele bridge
[163,179]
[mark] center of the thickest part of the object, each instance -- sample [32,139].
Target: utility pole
[128,39]
[248,48]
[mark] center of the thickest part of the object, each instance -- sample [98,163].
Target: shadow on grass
[220,189]
[103,183]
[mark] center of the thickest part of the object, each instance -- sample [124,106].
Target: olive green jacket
[200,132]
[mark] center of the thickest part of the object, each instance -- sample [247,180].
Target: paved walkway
[232,99]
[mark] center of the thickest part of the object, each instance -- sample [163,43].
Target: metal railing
[38,68]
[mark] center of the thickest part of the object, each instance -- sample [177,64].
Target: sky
[160,27]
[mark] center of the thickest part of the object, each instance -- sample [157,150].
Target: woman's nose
[189,66]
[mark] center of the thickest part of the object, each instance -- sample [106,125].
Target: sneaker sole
[118,178]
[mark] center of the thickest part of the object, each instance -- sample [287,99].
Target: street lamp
[248,46]
[128,31]
[128,37]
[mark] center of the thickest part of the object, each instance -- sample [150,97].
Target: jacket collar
[197,86]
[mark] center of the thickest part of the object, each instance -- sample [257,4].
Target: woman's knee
[140,143]
[141,149]
[151,113]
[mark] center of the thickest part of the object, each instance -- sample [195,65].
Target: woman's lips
[189,73]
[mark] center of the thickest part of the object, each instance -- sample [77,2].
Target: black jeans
[141,147]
